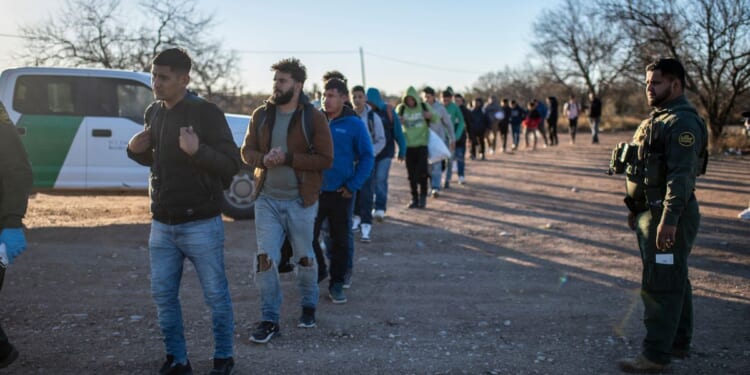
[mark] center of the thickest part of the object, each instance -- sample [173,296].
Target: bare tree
[580,48]
[710,37]
[95,33]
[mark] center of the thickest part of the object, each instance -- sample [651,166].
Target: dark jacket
[596,108]
[307,166]
[461,141]
[15,174]
[478,122]
[186,188]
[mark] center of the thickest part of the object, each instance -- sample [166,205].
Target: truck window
[47,95]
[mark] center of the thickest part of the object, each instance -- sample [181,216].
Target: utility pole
[362,64]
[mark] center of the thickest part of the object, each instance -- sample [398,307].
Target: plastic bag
[436,148]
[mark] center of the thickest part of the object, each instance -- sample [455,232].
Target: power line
[309,52]
[2,35]
[347,52]
[435,67]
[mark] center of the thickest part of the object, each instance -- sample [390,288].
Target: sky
[438,43]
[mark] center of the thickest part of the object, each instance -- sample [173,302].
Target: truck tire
[238,200]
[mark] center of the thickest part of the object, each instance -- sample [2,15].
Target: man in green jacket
[415,118]
[15,183]
[664,213]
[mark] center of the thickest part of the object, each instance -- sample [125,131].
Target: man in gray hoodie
[444,129]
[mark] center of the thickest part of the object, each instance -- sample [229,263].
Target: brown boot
[639,365]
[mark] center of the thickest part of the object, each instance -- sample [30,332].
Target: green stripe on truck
[47,141]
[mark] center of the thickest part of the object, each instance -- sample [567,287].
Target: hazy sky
[443,43]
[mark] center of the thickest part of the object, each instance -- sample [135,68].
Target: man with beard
[352,165]
[288,164]
[187,143]
[671,153]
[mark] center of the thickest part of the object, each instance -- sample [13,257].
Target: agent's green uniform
[671,154]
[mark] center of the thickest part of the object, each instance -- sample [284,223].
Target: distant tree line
[603,47]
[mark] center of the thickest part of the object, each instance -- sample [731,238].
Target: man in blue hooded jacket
[351,143]
[393,134]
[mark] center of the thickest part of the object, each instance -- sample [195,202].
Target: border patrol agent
[15,184]
[669,153]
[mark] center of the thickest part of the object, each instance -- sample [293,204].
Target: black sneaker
[171,368]
[222,366]
[263,333]
[9,358]
[413,204]
[307,320]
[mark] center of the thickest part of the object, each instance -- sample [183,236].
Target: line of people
[491,123]
[309,164]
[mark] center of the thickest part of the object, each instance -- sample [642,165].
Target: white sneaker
[744,215]
[379,215]
[355,223]
[365,232]
[461,180]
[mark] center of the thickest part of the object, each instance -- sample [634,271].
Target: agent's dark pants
[665,288]
[5,346]
[416,167]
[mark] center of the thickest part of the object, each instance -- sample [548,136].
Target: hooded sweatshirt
[457,119]
[416,129]
[377,133]
[443,127]
[392,128]
[351,143]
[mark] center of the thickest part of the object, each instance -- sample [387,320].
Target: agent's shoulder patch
[686,139]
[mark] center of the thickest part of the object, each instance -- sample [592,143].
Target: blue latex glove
[15,242]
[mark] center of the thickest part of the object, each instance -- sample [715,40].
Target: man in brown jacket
[289,144]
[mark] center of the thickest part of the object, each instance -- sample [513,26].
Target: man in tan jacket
[288,142]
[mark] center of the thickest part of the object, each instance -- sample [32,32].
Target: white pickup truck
[76,123]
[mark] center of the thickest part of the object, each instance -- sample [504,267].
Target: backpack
[307,126]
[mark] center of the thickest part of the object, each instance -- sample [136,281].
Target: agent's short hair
[336,84]
[669,67]
[177,59]
[358,88]
[429,90]
[447,94]
[292,66]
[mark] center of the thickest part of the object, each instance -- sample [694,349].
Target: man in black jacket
[189,147]
[15,183]
[595,117]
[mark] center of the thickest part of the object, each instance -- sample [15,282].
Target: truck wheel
[238,200]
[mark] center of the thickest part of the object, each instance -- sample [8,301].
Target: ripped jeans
[274,220]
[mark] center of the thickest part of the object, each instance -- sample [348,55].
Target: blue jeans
[382,168]
[436,174]
[274,220]
[458,155]
[202,242]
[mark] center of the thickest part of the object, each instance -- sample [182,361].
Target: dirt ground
[527,269]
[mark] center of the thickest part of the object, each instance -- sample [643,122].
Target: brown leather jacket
[307,166]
